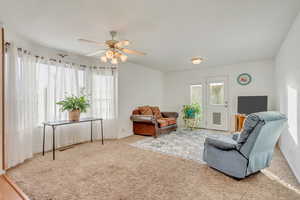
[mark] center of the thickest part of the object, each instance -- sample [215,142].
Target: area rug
[187,144]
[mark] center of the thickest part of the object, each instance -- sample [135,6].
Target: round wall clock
[244,79]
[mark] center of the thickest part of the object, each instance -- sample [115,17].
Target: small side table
[55,124]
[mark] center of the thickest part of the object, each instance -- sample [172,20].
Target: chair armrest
[143,118]
[223,143]
[170,114]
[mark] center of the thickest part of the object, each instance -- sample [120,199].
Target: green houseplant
[191,115]
[191,111]
[75,105]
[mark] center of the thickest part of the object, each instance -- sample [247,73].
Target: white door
[217,103]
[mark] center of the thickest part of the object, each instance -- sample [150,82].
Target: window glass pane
[196,94]
[103,96]
[197,97]
[216,91]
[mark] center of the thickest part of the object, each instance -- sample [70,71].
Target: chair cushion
[156,112]
[136,112]
[145,110]
[222,142]
[162,122]
[171,121]
[271,116]
[249,124]
[253,120]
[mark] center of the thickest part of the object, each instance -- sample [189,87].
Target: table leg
[102,131]
[44,139]
[91,131]
[53,148]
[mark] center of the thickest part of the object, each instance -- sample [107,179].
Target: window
[196,94]
[103,97]
[55,81]
[197,97]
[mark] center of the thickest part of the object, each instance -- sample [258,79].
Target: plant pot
[74,115]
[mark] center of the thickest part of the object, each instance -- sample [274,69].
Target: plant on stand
[75,105]
[191,115]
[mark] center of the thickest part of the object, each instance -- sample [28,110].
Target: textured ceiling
[170,31]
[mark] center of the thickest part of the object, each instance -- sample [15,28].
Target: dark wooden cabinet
[239,122]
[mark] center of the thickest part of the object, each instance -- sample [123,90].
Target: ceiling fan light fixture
[126,43]
[114,61]
[123,57]
[103,59]
[114,49]
[109,54]
[196,60]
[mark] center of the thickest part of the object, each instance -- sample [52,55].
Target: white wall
[177,91]
[138,85]
[288,88]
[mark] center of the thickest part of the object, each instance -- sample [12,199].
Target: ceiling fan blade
[90,41]
[122,43]
[130,51]
[95,52]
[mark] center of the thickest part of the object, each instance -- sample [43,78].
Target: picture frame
[244,79]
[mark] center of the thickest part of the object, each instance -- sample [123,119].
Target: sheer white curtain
[20,105]
[56,80]
[33,86]
[102,85]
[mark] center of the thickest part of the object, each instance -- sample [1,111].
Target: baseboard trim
[16,188]
[124,135]
[290,165]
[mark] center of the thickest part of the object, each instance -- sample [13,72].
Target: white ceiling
[170,31]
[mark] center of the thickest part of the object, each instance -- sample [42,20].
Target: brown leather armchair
[153,122]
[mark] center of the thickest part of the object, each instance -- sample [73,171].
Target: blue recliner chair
[240,155]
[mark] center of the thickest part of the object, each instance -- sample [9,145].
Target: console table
[55,124]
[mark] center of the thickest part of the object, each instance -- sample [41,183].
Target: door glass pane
[216,91]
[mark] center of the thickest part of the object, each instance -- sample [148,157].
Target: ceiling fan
[115,51]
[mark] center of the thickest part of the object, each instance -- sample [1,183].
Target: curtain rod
[7,44]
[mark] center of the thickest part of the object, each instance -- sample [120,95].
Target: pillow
[145,110]
[249,124]
[156,112]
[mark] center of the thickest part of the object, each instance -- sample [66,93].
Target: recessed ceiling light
[196,60]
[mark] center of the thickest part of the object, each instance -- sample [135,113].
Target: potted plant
[191,114]
[75,105]
[191,111]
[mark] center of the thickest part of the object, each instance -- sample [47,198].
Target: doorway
[212,95]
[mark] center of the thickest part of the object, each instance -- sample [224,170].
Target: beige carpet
[118,171]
